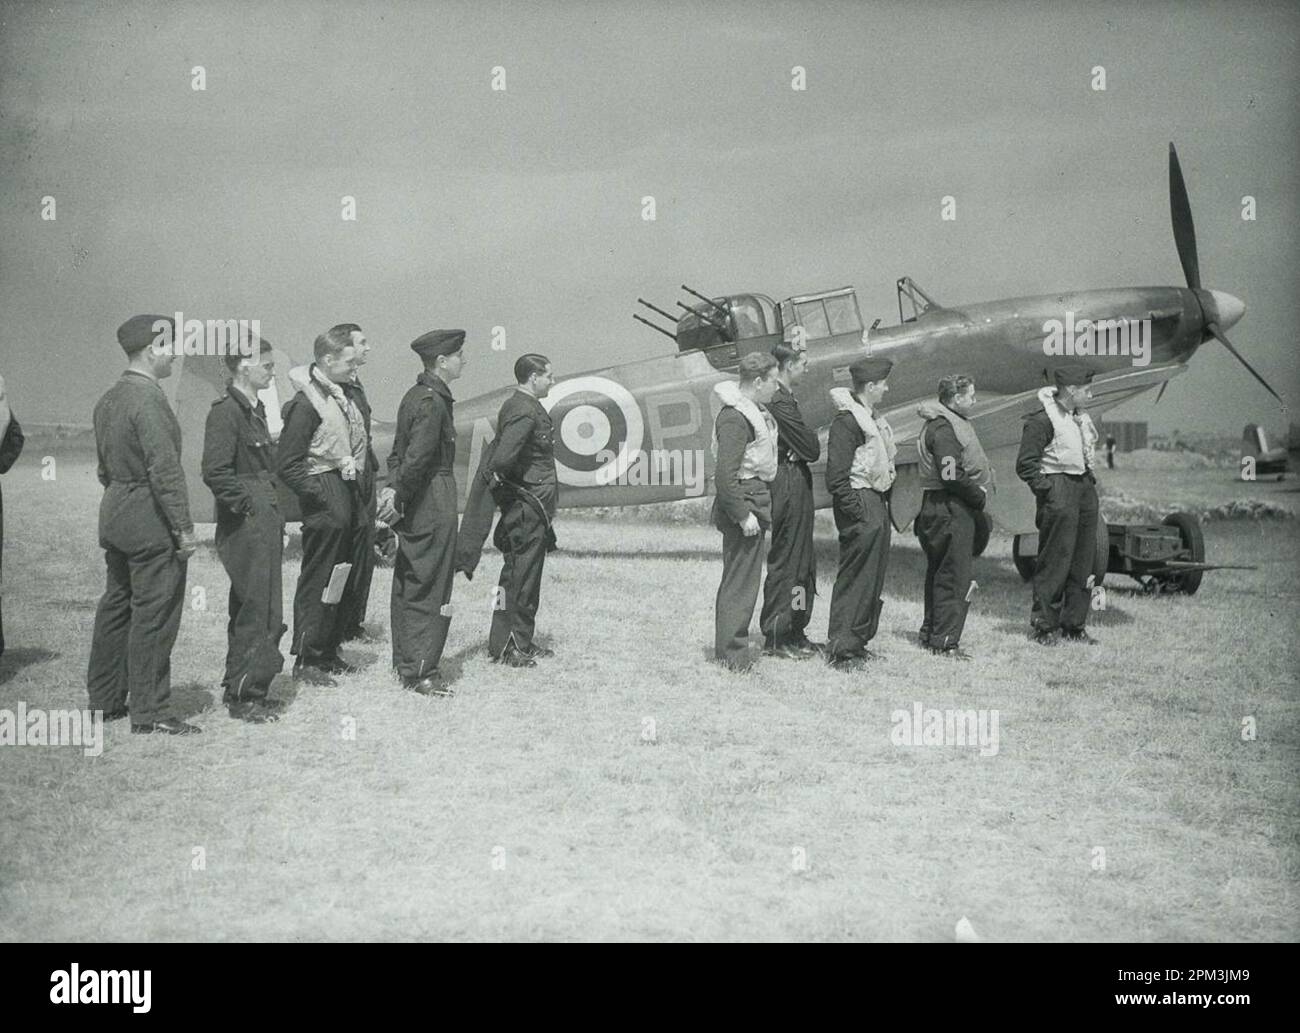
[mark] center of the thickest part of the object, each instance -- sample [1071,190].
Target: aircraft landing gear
[1165,558]
[1024,554]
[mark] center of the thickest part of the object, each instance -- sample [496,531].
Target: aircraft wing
[998,421]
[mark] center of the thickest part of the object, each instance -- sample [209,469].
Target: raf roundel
[593,417]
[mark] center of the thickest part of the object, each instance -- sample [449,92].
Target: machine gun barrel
[655,308]
[654,326]
[722,309]
[702,317]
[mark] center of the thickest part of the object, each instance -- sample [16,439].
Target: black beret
[438,342]
[1072,376]
[138,332]
[870,370]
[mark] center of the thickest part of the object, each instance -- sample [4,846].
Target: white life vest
[873,462]
[973,460]
[759,460]
[1074,438]
[339,441]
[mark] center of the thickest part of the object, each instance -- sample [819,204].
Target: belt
[128,484]
[791,461]
[1072,476]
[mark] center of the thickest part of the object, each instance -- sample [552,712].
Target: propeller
[1222,306]
[1180,211]
[1218,336]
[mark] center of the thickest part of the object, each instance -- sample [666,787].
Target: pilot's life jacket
[339,441]
[873,462]
[759,460]
[974,462]
[1074,438]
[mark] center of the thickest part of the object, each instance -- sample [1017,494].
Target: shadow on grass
[14,660]
[372,633]
[84,605]
[453,666]
[360,658]
[642,554]
[914,637]
[190,699]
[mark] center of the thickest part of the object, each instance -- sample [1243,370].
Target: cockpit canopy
[825,314]
[725,327]
[726,320]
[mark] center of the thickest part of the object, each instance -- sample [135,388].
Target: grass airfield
[628,789]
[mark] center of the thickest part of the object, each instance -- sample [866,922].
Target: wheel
[1189,529]
[983,529]
[1024,564]
[1101,559]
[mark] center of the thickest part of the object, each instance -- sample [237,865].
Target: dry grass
[1134,746]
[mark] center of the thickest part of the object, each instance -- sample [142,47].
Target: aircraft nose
[1227,308]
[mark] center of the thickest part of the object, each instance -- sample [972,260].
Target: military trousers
[422,581]
[864,555]
[791,561]
[328,539]
[946,529]
[521,537]
[1067,544]
[352,609]
[251,547]
[136,623]
[742,571]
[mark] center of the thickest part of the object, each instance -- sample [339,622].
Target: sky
[522,208]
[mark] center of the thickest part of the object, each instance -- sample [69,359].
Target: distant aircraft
[1269,462]
[625,432]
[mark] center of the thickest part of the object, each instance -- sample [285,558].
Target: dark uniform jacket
[842,441]
[139,445]
[424,445]
[525,452]
[941,442]
[238,458]
[735,499]
[1037,435]
[795,440]
[356,394]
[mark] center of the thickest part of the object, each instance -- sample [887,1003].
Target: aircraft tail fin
[1253,440]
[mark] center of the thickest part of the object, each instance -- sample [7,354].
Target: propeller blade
[1161,393]
[1180,212]
[1214,329]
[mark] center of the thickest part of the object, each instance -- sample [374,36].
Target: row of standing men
[325,457]
[763,482]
